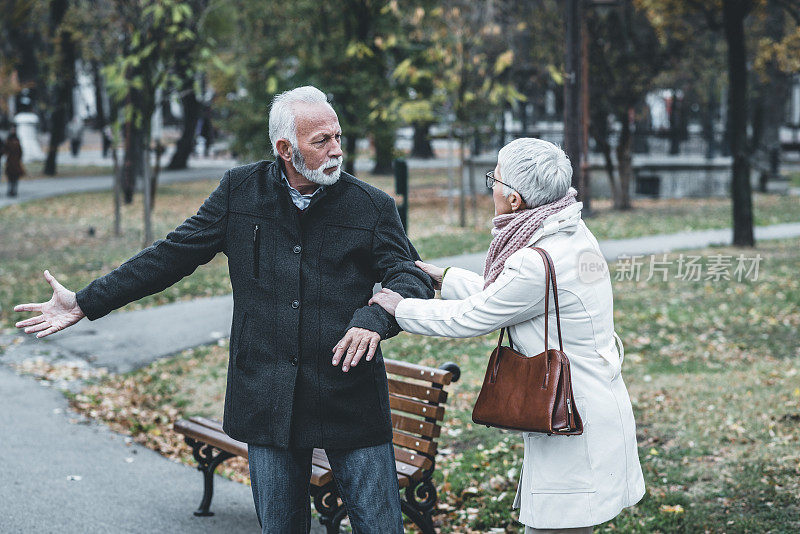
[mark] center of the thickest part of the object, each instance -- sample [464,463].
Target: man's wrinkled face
[318,156]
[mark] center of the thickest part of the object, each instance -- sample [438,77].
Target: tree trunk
[675,120]
[191,113]
[624,164]
[156,173]
[65,80]
[422,147]
[523,118]
[462,198]
[98,96]
[350,144]
[147,195]
[605,148]
[132,161]
[573,109]
[709,112]
[383,138]
[734,13]
[773,94]
[117,191]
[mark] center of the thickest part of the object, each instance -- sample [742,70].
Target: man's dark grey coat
[300,281]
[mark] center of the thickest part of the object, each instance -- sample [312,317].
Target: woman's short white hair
[281,113]
[539,170]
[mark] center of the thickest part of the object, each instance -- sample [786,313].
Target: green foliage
[344,49]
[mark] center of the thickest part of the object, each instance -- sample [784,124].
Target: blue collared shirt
[300,200]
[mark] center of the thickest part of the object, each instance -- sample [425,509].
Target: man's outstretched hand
[353,345]
[56,314]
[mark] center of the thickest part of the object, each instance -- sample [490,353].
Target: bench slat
[414,472]
[420,391]
[210,423]
[415,443]
[320,476]
[420,372]
[415,426]
[416,407]
[412,458]
[212,437]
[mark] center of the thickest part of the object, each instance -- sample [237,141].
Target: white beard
[317,175]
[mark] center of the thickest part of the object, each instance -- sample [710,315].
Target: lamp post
[574,139]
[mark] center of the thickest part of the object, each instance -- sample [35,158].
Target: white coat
[565,481]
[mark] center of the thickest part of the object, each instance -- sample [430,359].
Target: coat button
[297,249]
[294,361]
[295,304]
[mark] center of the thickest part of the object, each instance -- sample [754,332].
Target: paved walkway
[52,187]
[80,478]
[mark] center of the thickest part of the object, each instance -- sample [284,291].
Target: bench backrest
[417,400]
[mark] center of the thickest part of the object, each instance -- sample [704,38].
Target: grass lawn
[713,368]
[72,235]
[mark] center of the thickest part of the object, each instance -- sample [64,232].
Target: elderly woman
[567,483]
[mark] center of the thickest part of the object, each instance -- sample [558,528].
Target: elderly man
[305,245]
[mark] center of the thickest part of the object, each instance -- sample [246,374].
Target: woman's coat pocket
[562,464]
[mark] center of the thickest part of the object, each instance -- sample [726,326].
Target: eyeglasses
[490,180]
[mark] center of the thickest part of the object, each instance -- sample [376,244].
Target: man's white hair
[281,113]
[539,170]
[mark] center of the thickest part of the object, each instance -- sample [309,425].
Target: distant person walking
[14,168]
[75,134]
[108,138]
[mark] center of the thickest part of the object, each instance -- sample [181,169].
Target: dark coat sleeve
[393,258]
[195,242]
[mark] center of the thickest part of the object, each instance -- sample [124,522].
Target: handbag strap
[550,274]
[500,339]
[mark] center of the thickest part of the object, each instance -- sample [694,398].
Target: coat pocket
[239,350]
[256,249]
[562,464]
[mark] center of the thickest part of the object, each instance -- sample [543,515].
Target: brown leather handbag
[530,394]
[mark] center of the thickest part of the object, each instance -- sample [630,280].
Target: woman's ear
[516,201]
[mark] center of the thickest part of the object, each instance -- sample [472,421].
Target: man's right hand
[56,314]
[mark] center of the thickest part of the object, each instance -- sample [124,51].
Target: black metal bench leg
[207,463]
[420,499]
[331,512]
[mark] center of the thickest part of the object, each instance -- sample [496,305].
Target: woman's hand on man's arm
[436,273]
[387,299]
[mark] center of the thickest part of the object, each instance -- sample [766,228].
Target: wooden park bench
[417,399]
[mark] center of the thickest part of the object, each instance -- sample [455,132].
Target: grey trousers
[580,530]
